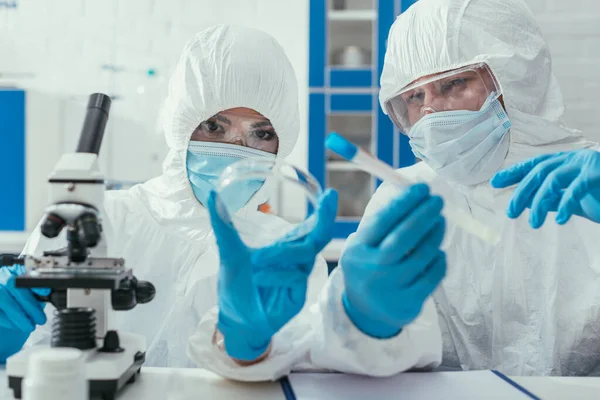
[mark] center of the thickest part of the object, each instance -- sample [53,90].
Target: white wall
[572,28]
[45,117]
[56,49]
[65,43]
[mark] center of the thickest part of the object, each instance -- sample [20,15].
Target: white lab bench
[162,383]
[333,250]
[558,388]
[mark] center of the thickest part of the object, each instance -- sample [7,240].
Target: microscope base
[107,373]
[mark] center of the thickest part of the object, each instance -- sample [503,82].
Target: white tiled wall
[61,51]
[572,28]
[66,43]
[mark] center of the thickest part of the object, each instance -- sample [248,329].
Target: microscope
[85,285]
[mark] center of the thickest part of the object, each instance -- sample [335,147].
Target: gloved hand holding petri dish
[264,272]
[279,189]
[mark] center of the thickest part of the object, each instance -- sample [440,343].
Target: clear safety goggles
[465,88]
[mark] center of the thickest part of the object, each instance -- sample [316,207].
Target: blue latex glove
[20,312]
[394,263]
[260,290]
[568,183]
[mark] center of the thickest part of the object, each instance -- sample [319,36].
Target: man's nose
[426,110]
[433,103]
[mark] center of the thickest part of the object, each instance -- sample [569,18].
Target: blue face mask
[466,147]
[207,160]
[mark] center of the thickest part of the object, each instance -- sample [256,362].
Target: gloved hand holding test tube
[372,165]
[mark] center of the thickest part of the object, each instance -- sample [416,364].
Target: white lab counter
[558,388]
[180,384]
[167,383]
[333,250]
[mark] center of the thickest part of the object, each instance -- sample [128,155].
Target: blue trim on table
[350,78]
[515,384]
[286,386]
[12,175]
[317,41]
[351,102]
[288,391]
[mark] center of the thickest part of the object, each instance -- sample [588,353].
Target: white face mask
[466,147]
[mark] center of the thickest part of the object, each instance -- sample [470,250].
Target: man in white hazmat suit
[471,84]
[233,94]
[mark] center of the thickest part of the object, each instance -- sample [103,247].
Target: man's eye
[414,97]
[458,82]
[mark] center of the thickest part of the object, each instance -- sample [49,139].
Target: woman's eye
[211,126]
[264,135]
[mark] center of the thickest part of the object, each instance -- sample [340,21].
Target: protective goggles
[465,88]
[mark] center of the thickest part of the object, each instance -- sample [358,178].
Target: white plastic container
[56,373]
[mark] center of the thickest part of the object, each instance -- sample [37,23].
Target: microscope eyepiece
[96,117]
[52,225]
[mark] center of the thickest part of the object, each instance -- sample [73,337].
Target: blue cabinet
[12,173]
[347,48]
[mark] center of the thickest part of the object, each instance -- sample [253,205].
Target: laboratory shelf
[341,166]
[352,15]
[350,77]
[346,54]
[351,102]
[350,113]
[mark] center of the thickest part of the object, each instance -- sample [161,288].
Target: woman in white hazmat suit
[529,305]
[164,232]
[160,228]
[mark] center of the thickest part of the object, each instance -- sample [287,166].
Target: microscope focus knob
[145,292]
[123,299]
[112,344]
[131,293]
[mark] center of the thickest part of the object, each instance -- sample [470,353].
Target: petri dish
[285,196]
